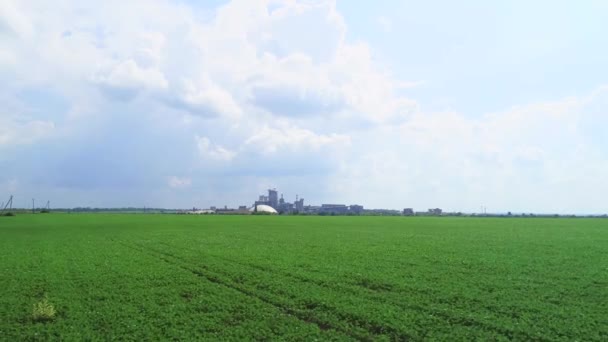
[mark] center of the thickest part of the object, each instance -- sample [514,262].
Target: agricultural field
[158,277]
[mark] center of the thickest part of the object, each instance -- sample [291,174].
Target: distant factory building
[263,200]
[312,209]
[299,204]
[273,198]
[355,209]
[408,212]
[279,204]
[435,211]
[334,208]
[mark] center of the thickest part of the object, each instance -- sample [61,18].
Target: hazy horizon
[387,104]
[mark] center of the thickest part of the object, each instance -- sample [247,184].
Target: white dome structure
[263,208]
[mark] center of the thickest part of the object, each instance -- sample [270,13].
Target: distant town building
[408,212]
[334,208]
[435,211]
[356,209]
[312,209]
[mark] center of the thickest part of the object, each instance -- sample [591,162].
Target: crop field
[157,277]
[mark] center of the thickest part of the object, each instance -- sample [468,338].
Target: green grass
[151,277]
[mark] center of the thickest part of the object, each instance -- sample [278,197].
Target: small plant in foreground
[43,311]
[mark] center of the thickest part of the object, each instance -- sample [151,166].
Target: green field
[151,277]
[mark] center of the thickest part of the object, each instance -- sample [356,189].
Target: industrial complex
[272,203]
[281,206]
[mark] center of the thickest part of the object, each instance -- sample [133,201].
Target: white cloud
[535,157]
[125,79]
[293,139]
[14,133]
[314,29]
[319,74]
[206,99]
[211,151]
[14,20]
[288,55]
[294,86]
[179,182]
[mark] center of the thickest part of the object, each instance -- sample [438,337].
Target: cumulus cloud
[531,157]
[293,139]
[294,86]
[294,60]
[314,29]
[125,79]
[205,99]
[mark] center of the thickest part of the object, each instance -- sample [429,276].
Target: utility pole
[33,207]
[8,203]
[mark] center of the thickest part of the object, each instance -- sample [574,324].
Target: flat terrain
[151,277]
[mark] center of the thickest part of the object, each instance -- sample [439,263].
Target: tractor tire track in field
[371,327]
[451,318]
[298,314]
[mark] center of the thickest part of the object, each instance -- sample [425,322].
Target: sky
[388,104]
